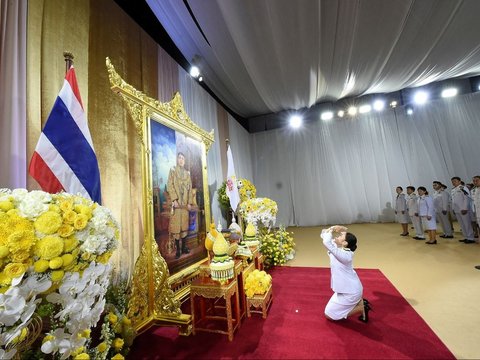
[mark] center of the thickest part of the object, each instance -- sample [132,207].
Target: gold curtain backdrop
[93,30]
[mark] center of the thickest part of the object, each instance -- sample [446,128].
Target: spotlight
[378,105]
[409,111]
[200,78]
[194,71]
[296,121]
[420,97]
[341,113]
[393,104]
[352,110]
[327,115]
[450,92]
[364,109]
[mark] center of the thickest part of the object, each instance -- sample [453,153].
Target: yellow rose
[56,263]
[66,205]
[69,216]
[54,208]
[118,357]
[70,244]
[112,318]
[41,266]
[6,205]
[80,222]
[118,344]
[20,256]
[85,210]
[49,247]
[48,223]
[65,230]
[104,257]
[3,251]
[102,347]
[82,356]
[57,275]
[67,259]
[14,270]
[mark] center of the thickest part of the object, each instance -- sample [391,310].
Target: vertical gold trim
[152,300]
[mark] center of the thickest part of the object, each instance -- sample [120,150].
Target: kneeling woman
[347,299]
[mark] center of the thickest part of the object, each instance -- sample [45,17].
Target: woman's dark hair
[411,188]
[351,240]
[399,187]
[424,189]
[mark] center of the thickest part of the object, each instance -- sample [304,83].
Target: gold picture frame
[156,294]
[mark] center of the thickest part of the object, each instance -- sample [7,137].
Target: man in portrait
[179,187]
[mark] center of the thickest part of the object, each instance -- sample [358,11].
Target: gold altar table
[203,290]
[261,302]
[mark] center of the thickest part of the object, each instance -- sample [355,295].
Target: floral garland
[259,211]
[277,247]
[246,191]
[257,282]
[54,247]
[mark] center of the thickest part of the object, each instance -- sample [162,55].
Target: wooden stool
[262,302]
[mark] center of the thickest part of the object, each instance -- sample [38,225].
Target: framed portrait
[179,214]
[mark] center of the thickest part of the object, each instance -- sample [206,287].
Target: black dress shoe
[448,237]
[404,234]
[463,240]
[477,267]
[366,309]
[443,236]
[418,238]
[469,242]
[434,242]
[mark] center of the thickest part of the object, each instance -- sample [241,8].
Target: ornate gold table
[261,302]
[204,288]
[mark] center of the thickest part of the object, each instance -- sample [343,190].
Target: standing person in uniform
[179,187]
[401,210]
[460,206]
[450,211]
[473,216]
[426,211]
[348,290]
[440,202]
[412,206]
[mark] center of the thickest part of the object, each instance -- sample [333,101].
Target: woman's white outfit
[425,209]
[401,209]
[412,205]
[344,282]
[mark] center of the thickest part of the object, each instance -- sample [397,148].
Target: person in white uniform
[426,211]
[460,206]
[441,204]
[401,210]
[412,206]
[348,290]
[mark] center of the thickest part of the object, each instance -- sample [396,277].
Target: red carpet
[395,330]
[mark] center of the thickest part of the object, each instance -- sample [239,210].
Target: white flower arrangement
[259,211]
[55,244]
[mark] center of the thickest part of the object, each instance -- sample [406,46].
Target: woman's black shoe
[366,309]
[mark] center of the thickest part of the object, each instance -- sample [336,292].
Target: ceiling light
[341,113]
[200,78]
[420,97]
[352,110]
[378,105]
[409,111]
[450,92]
[393,104]
[296,121]
[327,115]
[364,109]
[194,71]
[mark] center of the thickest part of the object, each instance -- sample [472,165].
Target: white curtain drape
[13,93]
[346,170]
[240,143]
[202,109]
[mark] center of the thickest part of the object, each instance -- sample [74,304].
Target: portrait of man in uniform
[178,190]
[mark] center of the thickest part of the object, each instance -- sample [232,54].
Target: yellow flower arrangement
[246,190]
[48,247]
[277,247]
[257,283]
[259,211]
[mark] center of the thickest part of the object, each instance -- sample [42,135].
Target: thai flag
[64,158]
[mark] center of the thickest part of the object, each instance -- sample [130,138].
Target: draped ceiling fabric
[264,56]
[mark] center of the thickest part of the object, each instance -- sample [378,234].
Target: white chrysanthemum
[31,204]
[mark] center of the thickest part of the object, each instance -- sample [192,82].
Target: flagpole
[68,60]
